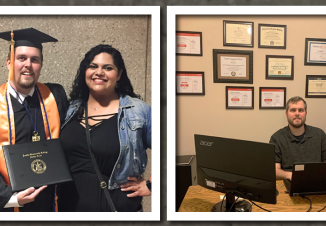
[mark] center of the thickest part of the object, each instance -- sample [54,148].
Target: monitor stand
[242,206]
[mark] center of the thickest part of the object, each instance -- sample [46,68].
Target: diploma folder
[36,164]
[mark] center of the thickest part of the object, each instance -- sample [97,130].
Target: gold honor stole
[50,113]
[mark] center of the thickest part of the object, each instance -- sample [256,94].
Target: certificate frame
[188,75]
[189,34]
[310,57]
[313,78]
[282,91]
[271,45]
[229,105]
[269,63]
[218,67]
[237,26]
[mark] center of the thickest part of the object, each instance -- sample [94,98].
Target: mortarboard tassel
[12,57]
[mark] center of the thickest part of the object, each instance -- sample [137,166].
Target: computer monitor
[247,168]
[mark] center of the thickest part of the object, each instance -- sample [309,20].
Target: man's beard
[26,84]
[303,120]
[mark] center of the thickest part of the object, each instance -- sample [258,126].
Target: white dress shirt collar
[21,95]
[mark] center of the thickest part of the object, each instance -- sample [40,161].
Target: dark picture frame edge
[279,78]
[272,25]
[238,22]
[240,87]
[201,43]
[307,83]
[284,99]
[192,72]
[306,63]
[236,52]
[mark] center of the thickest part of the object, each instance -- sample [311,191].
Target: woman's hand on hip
[137,185]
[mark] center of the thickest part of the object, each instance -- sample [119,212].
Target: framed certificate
[316,86]
[272,36]
[315,52]
[232,66]
[189,43]
[279,67]
[239,97]
[190,83]
[272,97]
[238,33]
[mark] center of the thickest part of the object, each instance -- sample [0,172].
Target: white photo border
[154,12]
[172,12]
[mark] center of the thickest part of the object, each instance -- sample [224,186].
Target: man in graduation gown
[28,109]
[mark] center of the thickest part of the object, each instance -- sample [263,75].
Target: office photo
[244,141]
[78,112]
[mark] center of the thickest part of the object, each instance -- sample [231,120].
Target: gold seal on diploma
[38,166]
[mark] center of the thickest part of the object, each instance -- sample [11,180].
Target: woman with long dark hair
[103,99]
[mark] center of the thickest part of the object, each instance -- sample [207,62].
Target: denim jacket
[135,136]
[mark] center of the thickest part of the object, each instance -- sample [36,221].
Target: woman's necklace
[98,108]
[94,108]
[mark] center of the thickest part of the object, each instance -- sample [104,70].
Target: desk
[200,199]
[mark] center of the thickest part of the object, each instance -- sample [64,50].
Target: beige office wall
[207,114]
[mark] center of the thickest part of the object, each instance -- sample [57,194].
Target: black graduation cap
[28,37]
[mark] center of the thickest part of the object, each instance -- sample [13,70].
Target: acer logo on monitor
[206,143]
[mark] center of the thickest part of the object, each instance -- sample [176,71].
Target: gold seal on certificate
[38,166]
[271,36]
[233,66]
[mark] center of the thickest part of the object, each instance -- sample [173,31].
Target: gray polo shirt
[289,150]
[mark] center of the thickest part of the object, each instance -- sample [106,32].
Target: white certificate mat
[317,86]
[188,43]
[233,66]
[239,97]
[272,97]
[317,52]
[189,83]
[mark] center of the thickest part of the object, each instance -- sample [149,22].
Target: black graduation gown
[24,131]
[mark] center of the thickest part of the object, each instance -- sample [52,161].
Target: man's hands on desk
[281,174]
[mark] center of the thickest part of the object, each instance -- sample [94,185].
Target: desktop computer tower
[186,175]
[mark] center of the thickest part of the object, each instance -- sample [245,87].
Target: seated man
[297,142]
